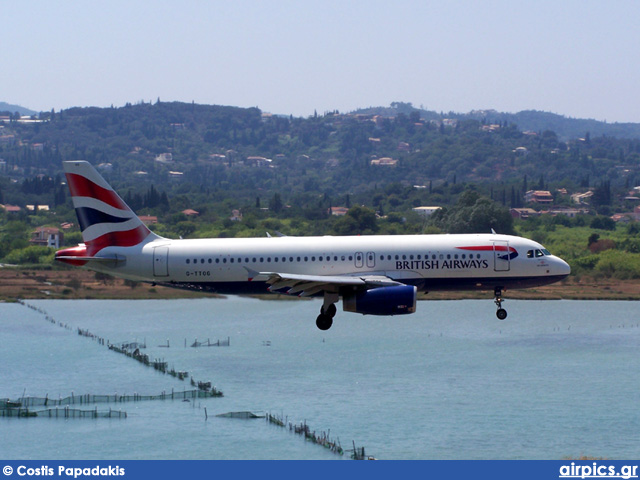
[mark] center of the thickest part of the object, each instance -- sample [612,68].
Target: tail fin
[105,219]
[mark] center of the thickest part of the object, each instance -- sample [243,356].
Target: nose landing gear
[501,313]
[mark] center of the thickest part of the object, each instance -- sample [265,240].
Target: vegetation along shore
[26,283]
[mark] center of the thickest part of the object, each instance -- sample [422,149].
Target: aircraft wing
[307,285]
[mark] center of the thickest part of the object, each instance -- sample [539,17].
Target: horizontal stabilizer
[79,260]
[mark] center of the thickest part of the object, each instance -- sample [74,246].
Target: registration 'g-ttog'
[373,275]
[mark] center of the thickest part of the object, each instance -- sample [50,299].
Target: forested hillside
[244,151]
[565,128]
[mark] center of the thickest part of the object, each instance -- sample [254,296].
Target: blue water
[556,379]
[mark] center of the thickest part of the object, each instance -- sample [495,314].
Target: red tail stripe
[127,238]
[79,251]
[83,187]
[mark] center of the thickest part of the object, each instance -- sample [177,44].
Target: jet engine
[397,300]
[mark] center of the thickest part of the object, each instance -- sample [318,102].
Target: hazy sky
[575,58]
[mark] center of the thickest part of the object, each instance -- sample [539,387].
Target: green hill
[565,128]
[240,153]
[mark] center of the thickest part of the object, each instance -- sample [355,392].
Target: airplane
[373,275]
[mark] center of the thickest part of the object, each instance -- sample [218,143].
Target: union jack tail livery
[105,219]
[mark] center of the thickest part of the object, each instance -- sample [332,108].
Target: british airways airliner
[374,275]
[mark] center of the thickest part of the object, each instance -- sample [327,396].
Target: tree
[152,198]
[602,194]
[474,214]
[275,204]
[603,223]
[185,228]
[357,221]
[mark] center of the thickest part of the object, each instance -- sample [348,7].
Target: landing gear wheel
[325,319]
[324,322]
[331,310]
[501,313]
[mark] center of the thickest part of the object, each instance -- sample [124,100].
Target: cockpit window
[537,253]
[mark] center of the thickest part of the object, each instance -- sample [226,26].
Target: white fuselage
[429,262]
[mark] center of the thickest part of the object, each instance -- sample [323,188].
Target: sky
[580,59]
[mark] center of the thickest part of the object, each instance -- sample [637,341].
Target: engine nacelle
[398,300]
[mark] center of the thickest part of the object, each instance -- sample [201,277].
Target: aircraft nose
[563,267]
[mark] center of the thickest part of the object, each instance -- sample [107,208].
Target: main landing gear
[327,311]
[501,313]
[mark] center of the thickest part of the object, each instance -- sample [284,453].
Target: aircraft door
[359,259]
[371,259]
[161,261]
[501,256]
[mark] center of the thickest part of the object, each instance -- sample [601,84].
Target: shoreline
[25,283]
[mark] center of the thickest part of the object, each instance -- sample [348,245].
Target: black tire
[324,322]
[331,310]
[501,314]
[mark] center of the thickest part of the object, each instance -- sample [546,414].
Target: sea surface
[557,379]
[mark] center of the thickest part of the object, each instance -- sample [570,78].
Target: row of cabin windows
[440,256]
[268,259]
[328,258]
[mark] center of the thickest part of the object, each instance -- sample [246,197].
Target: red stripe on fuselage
[489,248]
[83,187]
